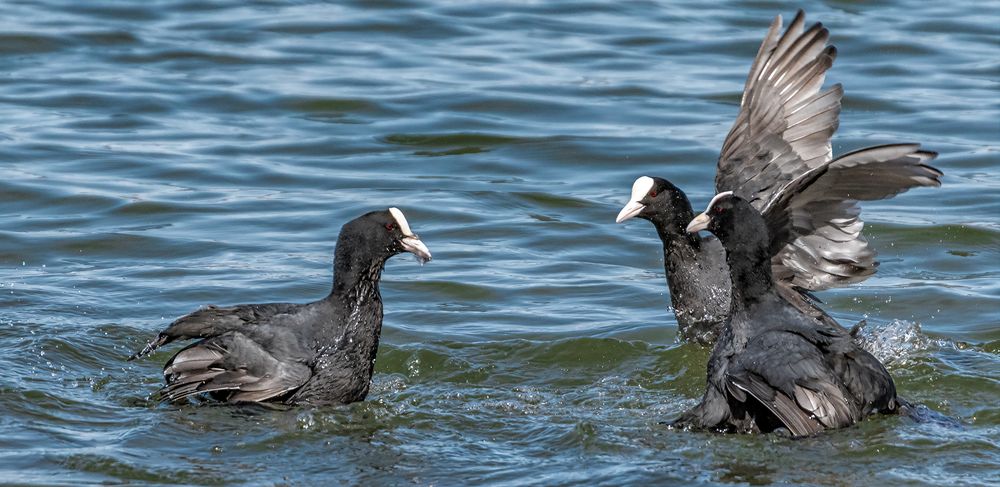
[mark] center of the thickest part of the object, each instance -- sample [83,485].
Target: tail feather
[150,347]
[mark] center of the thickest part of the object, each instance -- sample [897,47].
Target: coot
[314,353]
[774,366]
[783,129]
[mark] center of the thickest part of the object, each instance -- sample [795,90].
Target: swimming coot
[783,129]
[774,366]
[315,353]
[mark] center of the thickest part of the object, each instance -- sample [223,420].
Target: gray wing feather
[797,420]
[195,358]
[231,362]
[213,320]
[778,157]
[826,403]
[815,219]
[796,384]
[784,125]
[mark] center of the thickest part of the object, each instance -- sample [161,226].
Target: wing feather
[788,375]
[231,362]
[785,123]
[212,320]
[815,219]
[778,157]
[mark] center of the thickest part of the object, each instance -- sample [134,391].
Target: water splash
[895,343]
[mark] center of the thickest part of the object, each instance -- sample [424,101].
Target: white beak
[630,210]
[411,242]
[413,245]
[640,187]
[699,223]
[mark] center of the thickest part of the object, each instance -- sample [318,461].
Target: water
[158,156]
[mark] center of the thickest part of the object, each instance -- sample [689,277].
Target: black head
[382,234]
[656,200]
[734,221]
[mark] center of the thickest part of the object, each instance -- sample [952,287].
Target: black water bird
[783,130]
[315,353]
[774,366]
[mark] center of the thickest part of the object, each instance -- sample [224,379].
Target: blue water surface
[158,156]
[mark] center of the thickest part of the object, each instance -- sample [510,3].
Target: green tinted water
[159,156]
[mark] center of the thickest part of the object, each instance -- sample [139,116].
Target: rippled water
[157,156]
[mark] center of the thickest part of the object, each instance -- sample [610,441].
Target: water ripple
[160,156]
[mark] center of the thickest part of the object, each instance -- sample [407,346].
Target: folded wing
[787,374]
[214,320]
[233,365]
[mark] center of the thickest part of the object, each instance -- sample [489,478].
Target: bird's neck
[354,341]
[672,228]
[750,270]
[356,294]
[355,275]
[752,285]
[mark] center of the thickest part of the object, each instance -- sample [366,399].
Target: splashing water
[894,343]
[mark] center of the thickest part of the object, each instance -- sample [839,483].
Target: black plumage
[782,131]
[316,353]
[774,366]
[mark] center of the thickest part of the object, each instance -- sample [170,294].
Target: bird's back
[253,352]
[783,328]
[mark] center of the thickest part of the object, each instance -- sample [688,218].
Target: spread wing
[785,123]
[778,157]
[232,363]
[786,373]
[815,221]
[213,320]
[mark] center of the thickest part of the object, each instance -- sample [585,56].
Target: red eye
[718,210]
[652,193]
[390,226]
